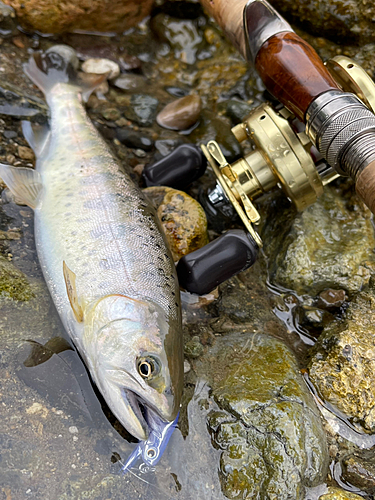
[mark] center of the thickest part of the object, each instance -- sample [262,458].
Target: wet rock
[8,22]
[51,16]
[135,140]
[100,66]
[342,367]
[330,299]
[166,146]
[11,234]
[111,114]
[14,102]
[365,58]
[328,245]
[180,114]
[13,283]
[25,153]
[177,91]
[10,134]
[130,82]
[213,127]
[237,111]
[346,20]
[244,299]
[193,348]
[338,494]
[360,471]
[142,109]
[182,218]
[312,317]
[272,441]
[181,34]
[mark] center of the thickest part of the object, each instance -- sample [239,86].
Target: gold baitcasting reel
[282,154]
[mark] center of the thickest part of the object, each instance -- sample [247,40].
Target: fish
[102,252]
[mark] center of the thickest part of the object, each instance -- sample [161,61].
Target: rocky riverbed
[278,400]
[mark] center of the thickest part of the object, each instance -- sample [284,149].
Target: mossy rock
[328,245]
[342,367]
[273,443]
[13,283]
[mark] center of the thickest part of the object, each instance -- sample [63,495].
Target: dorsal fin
[37,136]
[70,282]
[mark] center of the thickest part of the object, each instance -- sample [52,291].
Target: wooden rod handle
[293,72]
[229,16]
[365,186]
[289,67]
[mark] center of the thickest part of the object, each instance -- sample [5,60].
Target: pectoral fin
[25,183]
[70,282]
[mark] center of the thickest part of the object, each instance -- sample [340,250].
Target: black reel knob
[201,271]
[178,169]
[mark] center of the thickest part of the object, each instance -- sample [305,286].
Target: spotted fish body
[120,299]
[95,218]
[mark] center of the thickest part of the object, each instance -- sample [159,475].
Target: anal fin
[70,282]
[37,136]
[25,183]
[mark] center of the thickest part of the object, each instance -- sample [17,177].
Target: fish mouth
[137,424]
[141,413]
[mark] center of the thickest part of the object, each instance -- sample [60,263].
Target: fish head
[125,345]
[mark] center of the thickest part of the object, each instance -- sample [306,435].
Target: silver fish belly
[104,258]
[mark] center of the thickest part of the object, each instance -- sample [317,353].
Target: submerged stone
[180,114]
[331,299]
[182,218]
[142,109]
[130,82]
[181,34]
[237,111]
[342,367]
[359,470]
[328,245]
[216,128]
[134,139]
[13,283]
[111,114]
[276,445]
[14,102]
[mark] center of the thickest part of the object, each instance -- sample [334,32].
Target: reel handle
[178,169]
[203,270]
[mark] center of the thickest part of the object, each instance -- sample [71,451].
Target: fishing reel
[283,156]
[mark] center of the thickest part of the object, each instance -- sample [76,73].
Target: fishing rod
[326,109]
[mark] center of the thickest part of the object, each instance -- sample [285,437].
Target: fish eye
[148,367]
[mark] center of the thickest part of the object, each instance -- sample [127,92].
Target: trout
[102,252]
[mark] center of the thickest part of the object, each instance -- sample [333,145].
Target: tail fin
[57,65]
